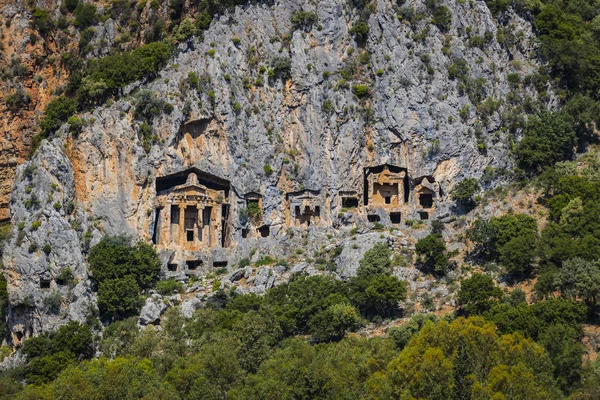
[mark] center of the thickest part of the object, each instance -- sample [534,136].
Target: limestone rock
[152,310]
[189,306]
[272,136]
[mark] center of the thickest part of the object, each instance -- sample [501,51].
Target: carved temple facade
[194,213]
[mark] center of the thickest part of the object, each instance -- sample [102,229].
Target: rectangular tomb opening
[349,202]
[264,231]
[373,218]
[395,217]
[424,215]
[191,222]
[192,265]
[172,267]
[426,200]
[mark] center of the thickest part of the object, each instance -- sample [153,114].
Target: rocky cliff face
[428,102]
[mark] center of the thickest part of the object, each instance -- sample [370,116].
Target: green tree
[121,378]
[360,31]
[563,346]
[547,138]
[375,261]
[433,363]
[518,254]
[580,279]
[383,295]
[114,257]
[85,15]
[433,254]
[119,298]
[257,333]
[478,294]
[464,191]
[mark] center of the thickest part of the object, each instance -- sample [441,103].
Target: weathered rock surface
[311,130]
[152,310]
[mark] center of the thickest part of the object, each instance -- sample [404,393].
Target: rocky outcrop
[232,113]
[152,309]
[46,269]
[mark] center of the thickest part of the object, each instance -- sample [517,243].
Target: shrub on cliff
[303,19]
[120,271]
[433,254]
[374,290]
[464,191]
[281,67]
[85,15]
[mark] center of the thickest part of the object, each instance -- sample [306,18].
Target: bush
[42,21]
[361,91]
[547,138]
[120,270]
[464,191]
[268,169]
[148,106]
[17,100]
[281,67]
[66,277]
[85,15]
[478,294]
[76,125]
[459,69]
[580,279]
[254,211]
[119,298]
[360,31]
[47,249]
[303,19]
[71,5]
[116,71]
[442,18]
[169,286]
[383,294]
[401,335]
[52,302]
[57,112]
[48,354]
[433,254]
[511,239]
[376,261]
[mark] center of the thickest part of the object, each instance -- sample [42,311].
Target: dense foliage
[121,271]
[433,254]
[220,353]
[509,239]
[548,138]
[464,192]
[48,354]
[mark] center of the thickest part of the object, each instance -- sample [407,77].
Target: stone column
[218,233]
[182,237]
[165,225]
[199,222]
